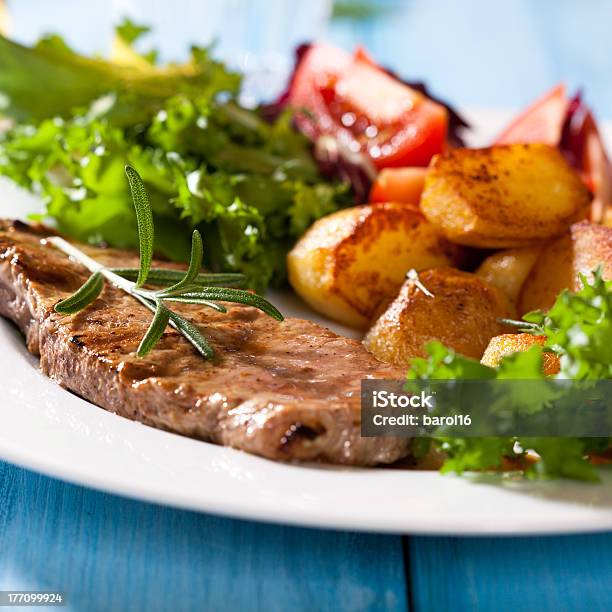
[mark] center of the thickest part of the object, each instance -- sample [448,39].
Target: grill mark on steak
[286,391]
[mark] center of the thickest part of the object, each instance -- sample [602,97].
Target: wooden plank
[110,553]
[529,573]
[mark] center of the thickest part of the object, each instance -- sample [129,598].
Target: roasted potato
[462,313]
[503,196]
[350,264]
[509,269]
[506,344]
[581,250]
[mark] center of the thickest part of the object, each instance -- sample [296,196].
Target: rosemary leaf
[156,329]
[225,294]
[163,276]
[84,296]
[195,263]
[144,216]
[192,333]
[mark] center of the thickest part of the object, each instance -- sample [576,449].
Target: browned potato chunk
[503,196]
[350,264]
[506,344]
[462,314]
[581,250]
[509,269]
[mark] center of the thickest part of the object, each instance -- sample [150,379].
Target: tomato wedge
[541,122]
[365,109]
[404,185]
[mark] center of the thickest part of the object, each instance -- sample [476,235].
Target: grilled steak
[287,390]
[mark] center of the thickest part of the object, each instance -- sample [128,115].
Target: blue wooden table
[109,553]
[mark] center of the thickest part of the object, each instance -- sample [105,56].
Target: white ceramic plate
[49,430]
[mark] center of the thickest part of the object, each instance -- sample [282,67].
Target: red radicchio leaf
[583,147]
[270,111]
[346,166]
[334,161]
[572,132]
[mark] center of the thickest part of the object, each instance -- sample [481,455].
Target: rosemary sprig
[190,287]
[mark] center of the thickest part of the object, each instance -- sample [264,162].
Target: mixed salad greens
[251,186]
[578,328]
